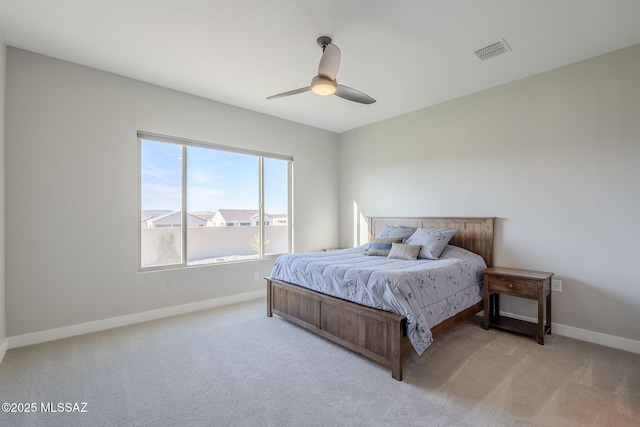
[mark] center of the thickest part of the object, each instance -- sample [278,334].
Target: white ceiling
[407,54]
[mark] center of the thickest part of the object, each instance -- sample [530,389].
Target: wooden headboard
[474,234]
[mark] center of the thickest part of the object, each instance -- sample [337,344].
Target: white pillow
[391,231]
[432,240]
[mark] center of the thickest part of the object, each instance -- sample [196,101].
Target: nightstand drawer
[514,286]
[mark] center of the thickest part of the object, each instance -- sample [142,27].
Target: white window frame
[148,136]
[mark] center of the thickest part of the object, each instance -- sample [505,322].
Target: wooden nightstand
[534,285]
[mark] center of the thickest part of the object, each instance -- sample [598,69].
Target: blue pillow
[381,246]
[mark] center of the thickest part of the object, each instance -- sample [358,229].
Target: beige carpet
[234,366]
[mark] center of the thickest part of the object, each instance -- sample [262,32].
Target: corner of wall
[3,349]
[3,322]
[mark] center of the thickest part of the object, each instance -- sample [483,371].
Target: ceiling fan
[325,82]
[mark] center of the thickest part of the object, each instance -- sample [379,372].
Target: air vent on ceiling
[494,49]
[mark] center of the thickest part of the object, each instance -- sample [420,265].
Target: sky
[215,179]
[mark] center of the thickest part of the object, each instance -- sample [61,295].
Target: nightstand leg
[540,317]
[549,313]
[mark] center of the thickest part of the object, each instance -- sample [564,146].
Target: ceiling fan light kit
[325,84]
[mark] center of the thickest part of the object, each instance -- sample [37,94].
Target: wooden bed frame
[376,334]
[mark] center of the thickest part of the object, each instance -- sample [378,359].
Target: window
[203,204]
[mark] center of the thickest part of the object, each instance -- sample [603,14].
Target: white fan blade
[353,95]
[330,62]
[291,92]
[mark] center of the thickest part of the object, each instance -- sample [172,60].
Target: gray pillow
[432,240]
[381,247]
[404,251]
[389,231]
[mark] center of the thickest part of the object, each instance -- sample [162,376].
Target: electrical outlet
[256,275]
[556,285]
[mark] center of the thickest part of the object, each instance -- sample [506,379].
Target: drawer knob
[510,286]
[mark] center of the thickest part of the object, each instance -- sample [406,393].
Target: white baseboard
[115,322]
[588,336]
[3,348]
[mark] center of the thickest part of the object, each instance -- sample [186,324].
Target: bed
[378,330]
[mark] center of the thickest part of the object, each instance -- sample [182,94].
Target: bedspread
[425,291]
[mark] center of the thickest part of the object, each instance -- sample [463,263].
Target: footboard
[375,334]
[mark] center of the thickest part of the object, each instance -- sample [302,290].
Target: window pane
[276,206]
[220,191]
[161,187]
[222,206]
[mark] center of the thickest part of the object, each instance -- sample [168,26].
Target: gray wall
[72,164]
[3,333]
[555,157]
